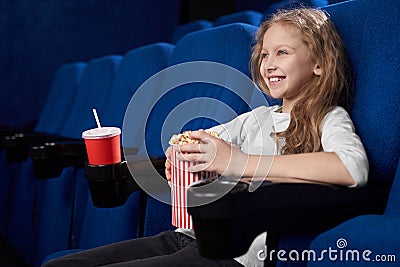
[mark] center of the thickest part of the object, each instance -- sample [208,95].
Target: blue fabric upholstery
[228,44]
[377,233]
[4,195]
[284,4]
[61,96]
[247,16]
[97,80]
[93,226]
[136,66]
[373,41]
[22,184]
[189,27]
[55,197]
[158,217]
[21,201]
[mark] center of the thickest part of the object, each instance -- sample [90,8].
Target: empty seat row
[252,17]
[62,205]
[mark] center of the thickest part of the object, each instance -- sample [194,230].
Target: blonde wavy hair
[322,93]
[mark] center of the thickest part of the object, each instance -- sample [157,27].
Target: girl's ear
[317,70]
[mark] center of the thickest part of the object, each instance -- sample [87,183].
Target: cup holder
[110,185]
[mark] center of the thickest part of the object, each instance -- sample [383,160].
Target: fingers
[168,169]
[190,156]
[168,163]
[168,153]
[200,167]
[200,134]
[190,148]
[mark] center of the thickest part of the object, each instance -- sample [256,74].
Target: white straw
[96,118]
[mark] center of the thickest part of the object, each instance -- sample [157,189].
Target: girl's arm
[320,167]
[227,159]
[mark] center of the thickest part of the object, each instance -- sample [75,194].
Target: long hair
[322,93]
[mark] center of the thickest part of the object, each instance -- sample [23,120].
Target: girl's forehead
[284,28]
[280,32]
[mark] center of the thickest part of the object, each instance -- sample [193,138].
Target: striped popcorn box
[181,179]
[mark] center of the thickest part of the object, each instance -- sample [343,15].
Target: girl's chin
[275,94]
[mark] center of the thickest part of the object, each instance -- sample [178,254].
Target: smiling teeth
[275,79]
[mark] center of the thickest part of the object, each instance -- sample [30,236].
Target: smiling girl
[299,58]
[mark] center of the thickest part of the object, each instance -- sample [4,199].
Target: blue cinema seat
[198,103]
[91,225]
[136,66]
[61,95]
[28,193]
[373,40]
[284,4]
[183,29]
[247,16]
[375,233]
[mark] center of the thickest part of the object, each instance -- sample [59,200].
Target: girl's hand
[168,163]
[214,155]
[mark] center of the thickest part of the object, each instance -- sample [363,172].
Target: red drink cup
[181,179]
[103,145]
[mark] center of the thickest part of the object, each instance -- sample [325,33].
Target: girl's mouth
[275,80]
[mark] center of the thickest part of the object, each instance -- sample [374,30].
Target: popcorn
[183,138]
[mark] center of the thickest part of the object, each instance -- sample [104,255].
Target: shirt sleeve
[234,131]
[338,135]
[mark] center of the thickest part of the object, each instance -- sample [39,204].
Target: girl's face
[286,63]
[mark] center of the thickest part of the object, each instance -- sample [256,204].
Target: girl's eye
[264,55]
[282,52]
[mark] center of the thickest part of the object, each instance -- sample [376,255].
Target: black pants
[165,249]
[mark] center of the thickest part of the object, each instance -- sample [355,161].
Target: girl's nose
[271,67]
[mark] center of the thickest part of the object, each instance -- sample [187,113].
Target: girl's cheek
[262,70]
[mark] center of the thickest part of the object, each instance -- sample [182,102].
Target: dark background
[37,36]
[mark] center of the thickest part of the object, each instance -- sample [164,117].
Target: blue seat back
[21,204]
[189,27]
[372,40]
[94,226]
[54,198]
[247,16]
[136,66]
[191,103]
[287,4]
[62,94]
[393,204]
[229,45]
[94,91]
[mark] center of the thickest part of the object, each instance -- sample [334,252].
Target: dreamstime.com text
[340,253]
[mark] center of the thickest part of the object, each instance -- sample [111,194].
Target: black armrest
[226,227]
[10,131]
[111,185]
[17,144]
[50,159]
